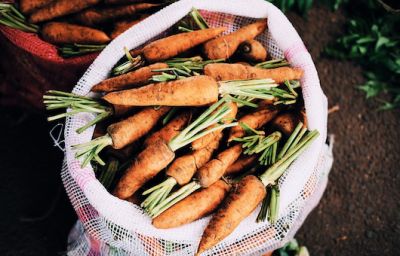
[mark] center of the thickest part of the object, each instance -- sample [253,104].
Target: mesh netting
[107,224]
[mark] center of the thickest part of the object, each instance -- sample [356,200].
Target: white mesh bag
[110,226]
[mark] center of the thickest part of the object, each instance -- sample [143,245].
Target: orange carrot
[225,46]
[170,130]
[27,6]
[237,206]
[121,1]
[215,169]
[253,50]
[96,15]
[132,79]
[171,46]
[254,120]
[224,71]
[242,163]
[192,91]
[60,8]
[64,33]
[205,140]
[121,26]
[193,207]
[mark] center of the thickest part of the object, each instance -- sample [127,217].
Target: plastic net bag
[110,226]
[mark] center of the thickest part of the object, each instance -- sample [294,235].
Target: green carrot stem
[273,64]
[169,115]
[158,193]
[108,174]
[262,215]
[290,140]
[201,23]
[100,117]
[89,151]
[274,205]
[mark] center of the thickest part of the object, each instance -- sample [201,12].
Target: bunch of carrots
[198,122]
[77,27]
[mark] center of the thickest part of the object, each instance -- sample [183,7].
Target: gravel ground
[358,215]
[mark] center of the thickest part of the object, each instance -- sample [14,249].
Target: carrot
[192,91]
[96,15]
[206,140]
[170,130]
[121,26]
[64,33]
[157,156]
[27,6]
[121,134]
[224,71]
[242,201]
[225,46]
[60,8]
[132,79]
[253,50]
[242,163]
[254,120]
[121,1]
[286,122]
[193,207]
[215,169]
[171,46]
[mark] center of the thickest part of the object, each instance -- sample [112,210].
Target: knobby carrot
[64,33]
[241,164]
[132,79]
[225,46]
[121,26]
[171,46]
[27,6]
[193,207]
[286,122]
[224,71]
[60,8]
[253,50]
[97,15]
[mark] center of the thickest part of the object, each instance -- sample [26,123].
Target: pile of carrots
[77,27]
[195,123]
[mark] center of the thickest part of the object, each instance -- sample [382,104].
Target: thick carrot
[254,120]
[96,15]
[171,46]
[224,71]
[192,91]
[121,1]
[134,127]
[253,50]
[27,6]
[64,33]
[206,140]
[215,169]
[121,26]
[242,163]
[170,130]
[236,207]
[60,8]
[193,207]
[225,46]
[132,79]
[286,122]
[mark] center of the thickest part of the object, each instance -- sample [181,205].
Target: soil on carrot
[358,215]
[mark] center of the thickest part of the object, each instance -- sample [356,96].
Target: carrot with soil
[157,156]
[252,50]
[11,17]
[27,6]
[121,26]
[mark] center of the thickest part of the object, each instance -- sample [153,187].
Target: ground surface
[358,215]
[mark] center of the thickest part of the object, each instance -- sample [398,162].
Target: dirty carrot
[225,46]
[27,6]
[225,71]
[252,50]
[132,79]
[242,163]
[171,46]
[197,205]
[157,156]
[120,134]
[242,201]
[60,8]
[121,26]
[98,15]
[64,33]
[286,122]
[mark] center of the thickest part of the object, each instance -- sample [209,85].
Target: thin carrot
[173,128]
[193,207]
[27,6]
[132,79]
[225,46]
[242,163]
[64,33]
[121,26]
[98,15]
[171,46]
[60,8]
[224,71]
[252,50]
